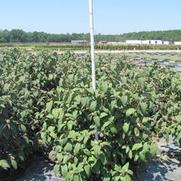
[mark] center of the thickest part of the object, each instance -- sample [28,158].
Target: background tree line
[17,35]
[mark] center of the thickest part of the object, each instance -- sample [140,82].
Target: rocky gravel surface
[40,170]
[167,166]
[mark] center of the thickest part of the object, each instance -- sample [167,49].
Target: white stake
[91,19]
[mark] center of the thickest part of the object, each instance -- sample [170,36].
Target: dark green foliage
[46,99]
[25,83]
[128,107]
[170,35]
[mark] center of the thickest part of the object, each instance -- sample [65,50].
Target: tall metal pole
[91,19]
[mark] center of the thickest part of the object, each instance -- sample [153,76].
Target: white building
[79,42]
[148,42]
[166,42]
[177,43]
[145,42]
[134,42]
[115,43]
[156,42]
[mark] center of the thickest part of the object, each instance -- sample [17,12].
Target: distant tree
[17,35]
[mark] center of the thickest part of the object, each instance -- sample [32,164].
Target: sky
[111,16]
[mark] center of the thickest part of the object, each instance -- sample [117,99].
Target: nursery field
[70,47]
[47,107]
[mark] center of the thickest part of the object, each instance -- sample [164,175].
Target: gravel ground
[165,168]
[40,170]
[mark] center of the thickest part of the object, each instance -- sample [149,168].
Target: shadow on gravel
[40,170]
[168,169]
[154,171]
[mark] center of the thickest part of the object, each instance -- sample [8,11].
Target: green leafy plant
[46,101]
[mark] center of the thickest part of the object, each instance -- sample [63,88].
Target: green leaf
[126,127]
[137,146]
[65,159]
[6,87]
[51,129]
[59,157]
[130,111]
[127,149]
[4,164]
[178,118]
[22,78]
[136,132]
[86,138]
[97,121]
[60,125]
[114,130]
[102,157]
[118,178]
[141,81]
[55,113]
[145,120]
[104,87]
[124,80]
[118,168]
[87,152]
[136,157]
[77,148]
[96,167]
[23,128]
[125,168]
[143,107]
[64,170]
[57,169]
[49,106]
[142,156]
[87,169]
[103,114]
[106,124]
[124,100]
[126,178]
[84,101]
[14,164]
[130,154]
[154,148]
[93,106]
[68,147]
[50,116]
[77,178]
[75,114]
[107,178]
[70,125]
[97,149]
[50,76]
[113,104]
[145,136]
